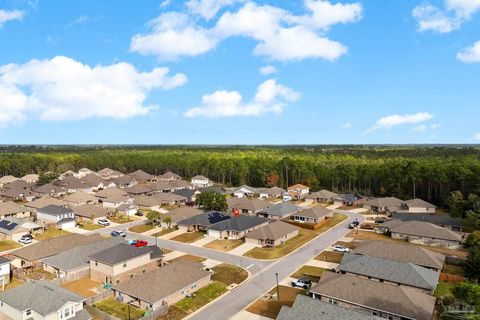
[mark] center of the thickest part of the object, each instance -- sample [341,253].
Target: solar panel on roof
[7,225]
[215,217]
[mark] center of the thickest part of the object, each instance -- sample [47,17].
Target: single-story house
[279,211]
[138,190]
[189,194]
[417,206]
[147,203]
[423,233]
[314,215]
[180,184]
[50,190]
[271,193]
[323,196]
[235,227]
[128,209]
[306,308]
[168,198]
[160,186]
[442,220]
[168,176]
[14,228]
[124,181]
[24,257]
[123,261]
[417,255]
[387,204]
[272,234]
[110,192]
[179,214]
[163,286]
[80,198]
[43,202]
[17,194]
[30,178]
[83,172]
[73,184]
[247,205]
[4,271]
[115,202]
[108,174]
[373,297]
[42,300]
[11,209]
[389,271]
[244,191]
[352,199]
[201,222]
[200,181]
[89,211]
[142,177]
[96,183]
[6,180]
[62,217]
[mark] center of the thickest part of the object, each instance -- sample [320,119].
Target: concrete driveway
[242,249]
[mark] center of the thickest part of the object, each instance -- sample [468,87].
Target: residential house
[115,202]
[42,300]
[122,262]
[386,205]
[244,191]
[297,192]
[306,308]
[314,215]
[169,176]
[12,209]
[30,178]
[389,271]
[124,181]
[189,194]
[62,217]
[417,206]
[89,211]
[14,228]
[111,192]
[96,183]
[279,211]
[108,174]
[200,181]
[147,203]
[422,232]
[142,177]
[26,256]
[322,196]
[235,227]
[128,209]
[272,234]
[17,194]
[201,222]
[74,184]
[179,214]
[74,264]
[417,255]
[66,174]
[138,190]
[43,202]
[169,198]
[80,198]
[83,172]
[180,185]
[50,190]
[271,193]
[160,186]
[373,297]
[442,220]
[349,200]
[246,205]
[6,180]
[4,271]
[163,286]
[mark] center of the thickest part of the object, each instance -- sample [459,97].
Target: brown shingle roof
[182,213]
[254,205]
[7,208]
[272,231]
[89,210]
[315,212]
[423,229]
[111,192]
[80,197]
[43,202]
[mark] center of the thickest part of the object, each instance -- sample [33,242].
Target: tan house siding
[118,273]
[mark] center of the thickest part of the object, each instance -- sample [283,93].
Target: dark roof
[438,219]
[120,253]
[422,229]
[240,223]
[282,209]
[205,219]
[54,210]
[187,193]
[349,197]
[4,260]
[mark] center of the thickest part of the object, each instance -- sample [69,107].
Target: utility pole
[278,288]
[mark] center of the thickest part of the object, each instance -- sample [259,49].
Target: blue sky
[189,72]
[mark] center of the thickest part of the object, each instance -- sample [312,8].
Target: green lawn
[8,245]
[224,245]
[329,256]
[141,228]
[444,289]
[164,232]
[189,237]
[201,297]
[90,226]
[120,218]
[228,274]
[51,233]
[454,269]
[119,310]
[314,273]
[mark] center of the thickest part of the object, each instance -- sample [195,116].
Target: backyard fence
[99,314]
[107,293]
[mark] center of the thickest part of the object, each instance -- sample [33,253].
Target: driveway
[203,241]
[242,249]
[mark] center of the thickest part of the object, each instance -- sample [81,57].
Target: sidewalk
[203,241]
[170,235]
[242,249]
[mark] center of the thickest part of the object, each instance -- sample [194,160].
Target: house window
[66,312]
[131,276]
[193,286]
[28,312]
[375,313]
[124,265]
[96,263]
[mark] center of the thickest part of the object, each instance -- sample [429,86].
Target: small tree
[472,264]
[472,240]
[153,216]
[212,200]
[92,217]
[168,221]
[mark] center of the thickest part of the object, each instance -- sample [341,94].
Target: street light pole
[278,288]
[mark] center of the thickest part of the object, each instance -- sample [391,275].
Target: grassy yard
[224,245]
[311,272]
[228,274]
[350,245]
[120,218]
[14,282]
[454,269]
[8,245]
[189,237]
[271,307]
[444,289]
[164,232]
[90,226]
[84,287]
[141,228]
[51,233]
[330,256]
[117,309]
[190,258]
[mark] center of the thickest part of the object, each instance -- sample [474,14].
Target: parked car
[139,214]
[26,239]
[132,242]
[141,243]
[116,233]
[339,248]
[304,283]
[103,222]
[354,224]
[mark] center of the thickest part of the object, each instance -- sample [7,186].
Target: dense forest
[428,172]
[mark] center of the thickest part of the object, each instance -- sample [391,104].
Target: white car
[339,248]
[304,283]
[103,222]
[26,239]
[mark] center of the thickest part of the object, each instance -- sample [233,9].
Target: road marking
[249,266]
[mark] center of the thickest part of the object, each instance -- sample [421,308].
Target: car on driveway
[139,214]
[339,248]
[117,233]
[103,222]
[141,243]
[26,239]
[304,283]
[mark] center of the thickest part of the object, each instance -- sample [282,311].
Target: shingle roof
[162,282]
[298,186]
[200,177]
[168,196]
[7,179]
[306,308]
[400,300]
[122,180]
[254,205]
[111,192]
[30,177]
[422,229]
[314,212]
[282,209]
[87,210]
[187,193]
[80,197]
[401,252]
[120,253]
[141,175]
[10,225]
[419,203]
[275,191]
[240,223]
[205,219]
[169,175]
[41,296]
[10,207]
[439,219]
[349,197]
[137,189]
[182,213]
[43,202]
[388,202]
[180,184]
[50,188]
[54,210]
[394,271]
[322,194]
[272,231]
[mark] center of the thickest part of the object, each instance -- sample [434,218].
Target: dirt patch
[224,245]
[84,287]
[270,307]
[229,274]
[329,256]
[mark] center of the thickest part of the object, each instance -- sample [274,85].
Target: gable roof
[122,180]
[439,219]
[43,202]
[187,193]
[54,210]
[146,201]
[401,252]
[50,188]
[179,184]
[141,175]
[7,179]
[200,177]
[314,212]
[89,210]
[298,186]
[137,189]
[282,209]
[9,225]
[182,213]
[388,202]
[111,192]
[205,219]
[422,229]
[274,191]
[92,180]
[30,177]
[85,170]
[162,282]
[272,231]
[80,197]
[254,205]
[120,253]
[322,194]
[168,196]
[169,176]
[239,223]
[352,197]
[394,271]
[419,203]
[399,300]
[42,296]
[10,207]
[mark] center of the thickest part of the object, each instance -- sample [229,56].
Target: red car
[141,243]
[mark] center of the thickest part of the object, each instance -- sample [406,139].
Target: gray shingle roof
[322,194]
[423,229]
[41,296]
[306,308]
[120,253]
[254,205]
[282,209]
[419,203]
[315,212]
[10,207]
[438,219]
[240,223]
[205,219]
[405,273]
[55,210]
[182,213]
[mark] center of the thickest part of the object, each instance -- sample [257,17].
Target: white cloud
[346,125]
[477,136]
[470,54]
[270,97]
[451,17]
[208,8]
[395,120]
[63,89]
[280,35]
[165,3]
[268,70]
[6,15]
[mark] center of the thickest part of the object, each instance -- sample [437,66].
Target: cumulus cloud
[396,120]
[476,136]
[268,70]
[447,19]
[346,125]
[62,89]
[270,97]
[280,34]
[10,15]
[208,8]
[470,54]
